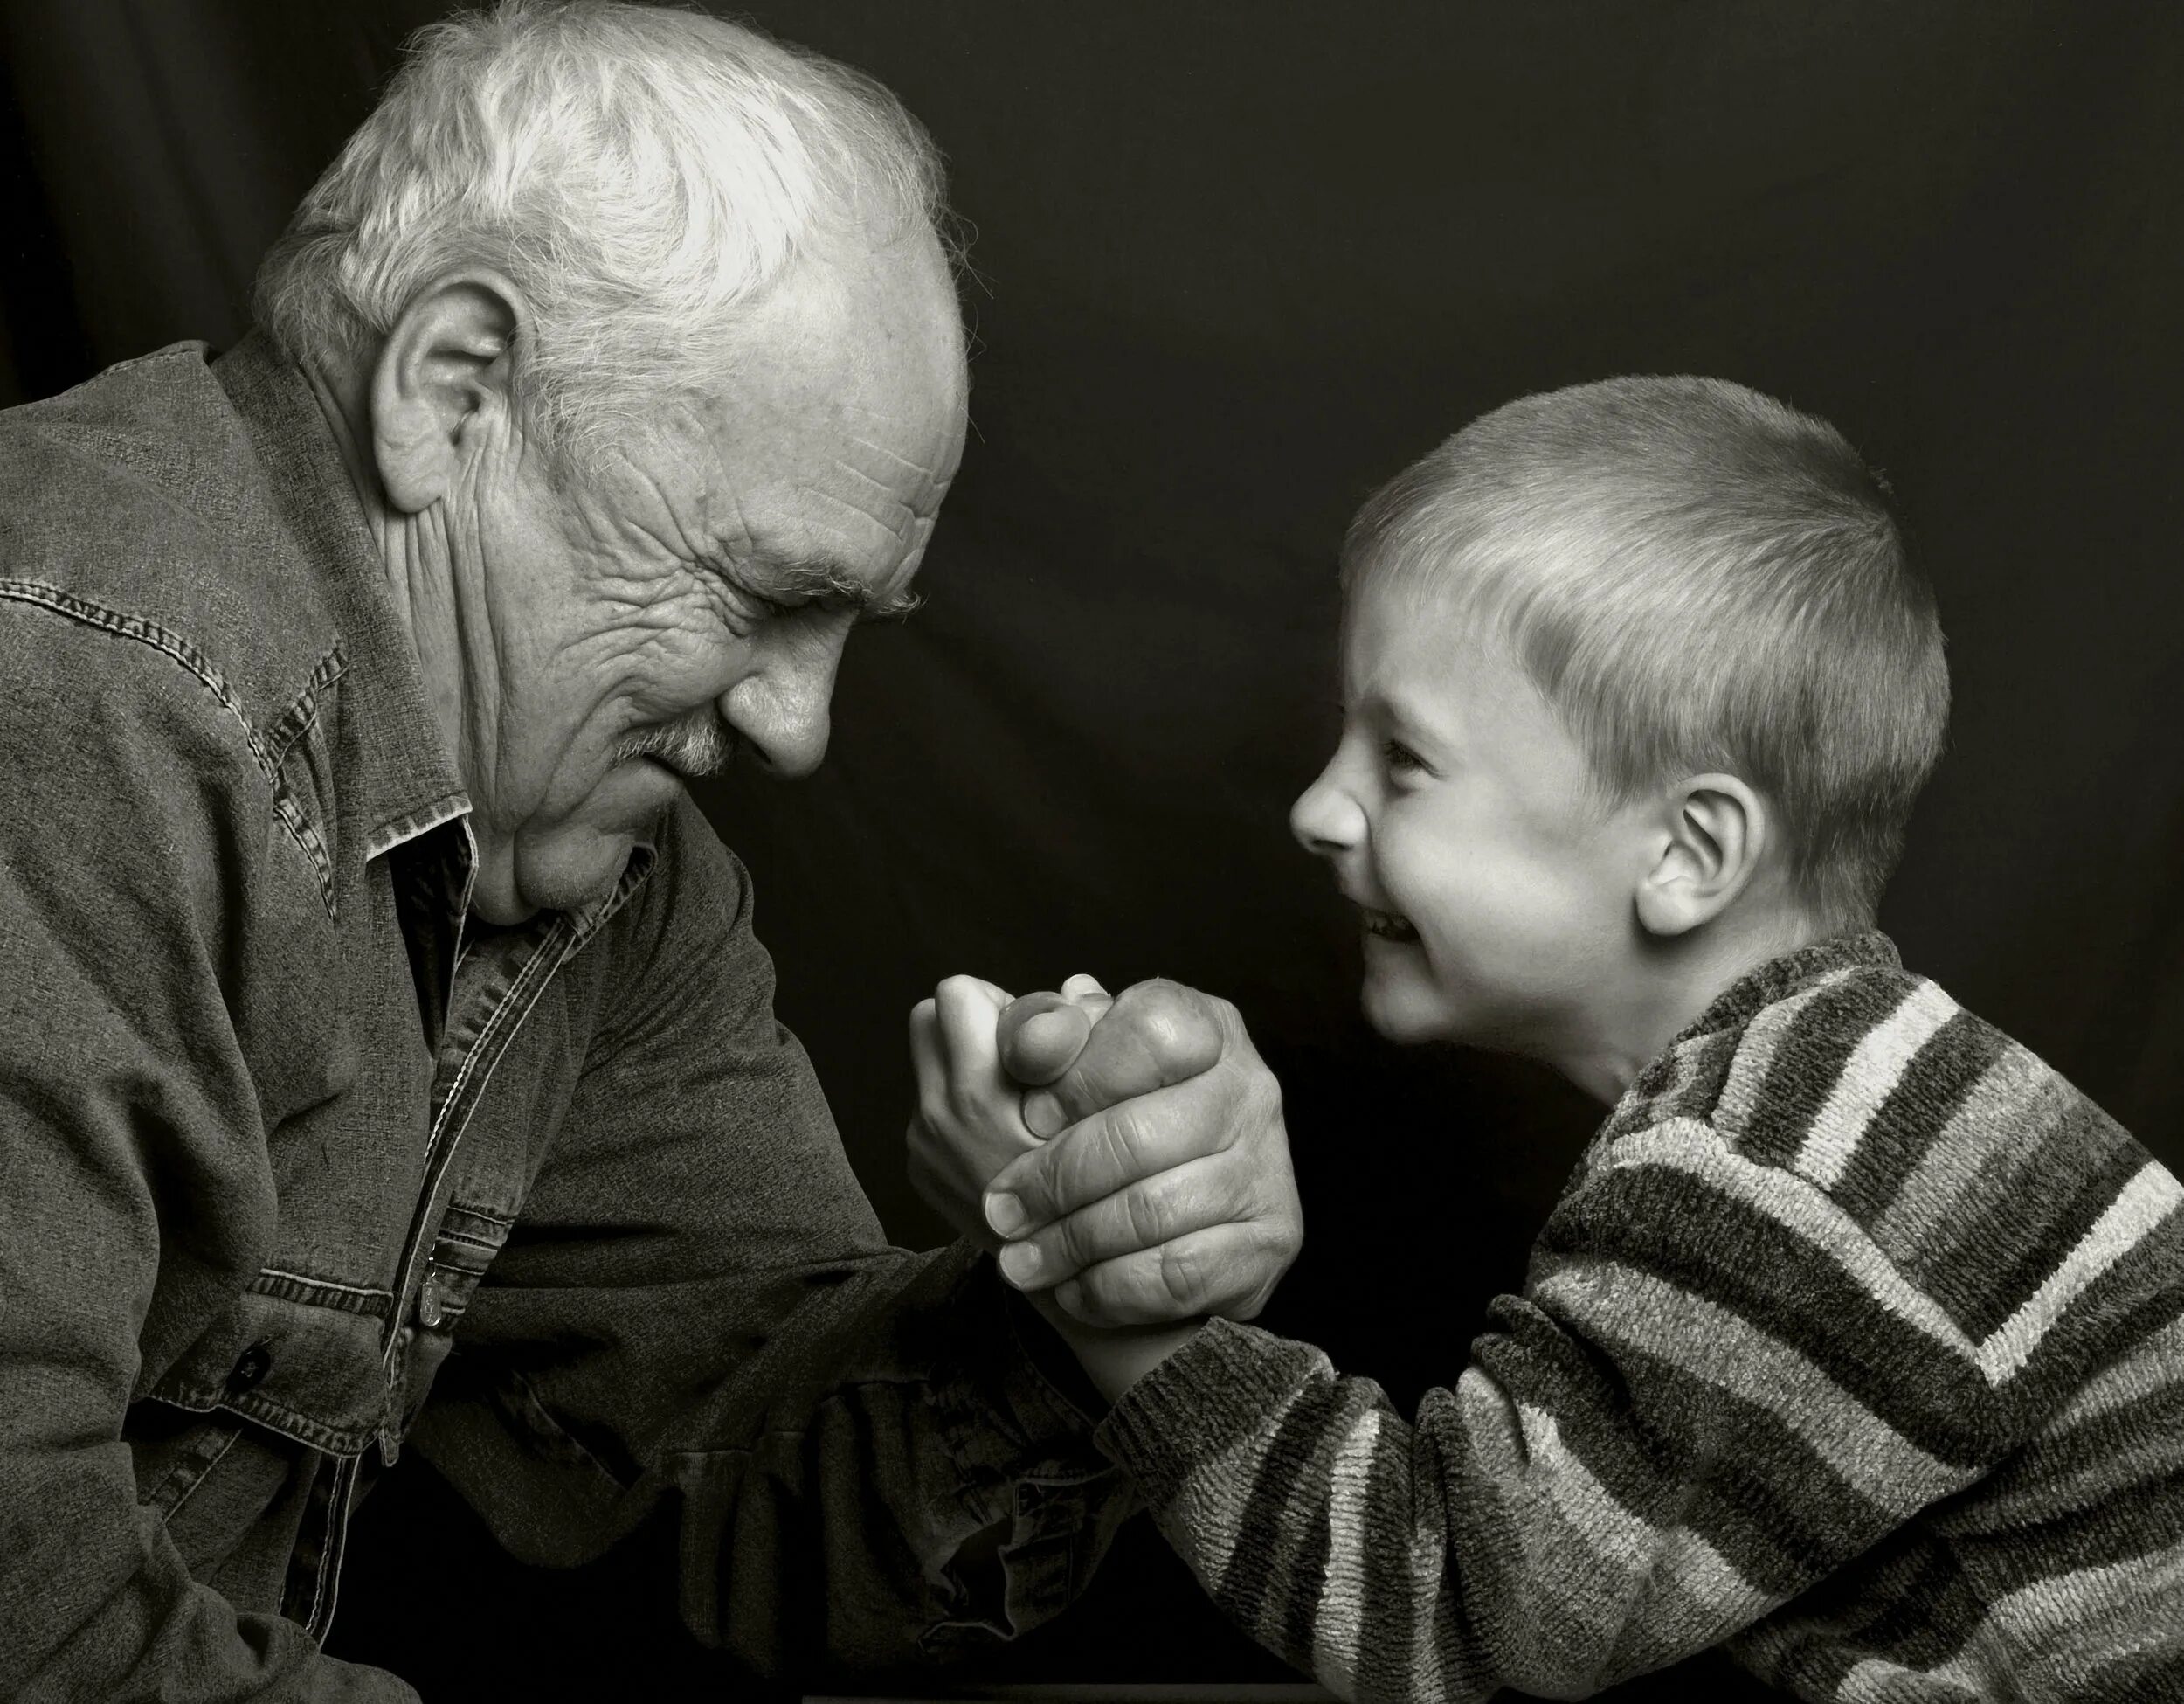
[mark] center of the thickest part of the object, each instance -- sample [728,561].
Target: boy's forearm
[1114,1360]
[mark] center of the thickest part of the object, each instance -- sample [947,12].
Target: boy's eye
[1400,758]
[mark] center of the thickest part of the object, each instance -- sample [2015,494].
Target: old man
[389,1061]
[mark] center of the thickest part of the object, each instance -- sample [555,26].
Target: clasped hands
[1126,1154]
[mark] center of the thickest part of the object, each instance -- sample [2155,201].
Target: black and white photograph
[1181,851]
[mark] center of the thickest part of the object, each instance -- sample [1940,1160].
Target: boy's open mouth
[1386,926]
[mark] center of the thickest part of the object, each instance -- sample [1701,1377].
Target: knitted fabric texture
[1856,1340]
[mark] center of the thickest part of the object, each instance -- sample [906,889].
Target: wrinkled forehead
[857,364]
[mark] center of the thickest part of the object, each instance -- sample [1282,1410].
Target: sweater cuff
[1223,1388]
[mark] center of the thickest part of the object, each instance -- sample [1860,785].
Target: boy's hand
[1167,1191]
[974,1050]
[969,1122]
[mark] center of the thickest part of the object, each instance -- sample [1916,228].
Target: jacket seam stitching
[307,1428]
[303,715]
[257,1409]
[365,1290]
[179,651]
[203,1474]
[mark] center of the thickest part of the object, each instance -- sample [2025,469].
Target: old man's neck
[342,404]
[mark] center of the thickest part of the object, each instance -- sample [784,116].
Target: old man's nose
[784,717]
[1325,819]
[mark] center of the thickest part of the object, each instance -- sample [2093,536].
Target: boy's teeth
[1387,926]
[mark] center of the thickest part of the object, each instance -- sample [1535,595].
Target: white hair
[638,172]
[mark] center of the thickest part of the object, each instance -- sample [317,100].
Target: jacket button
[431,1306]
[256,1361]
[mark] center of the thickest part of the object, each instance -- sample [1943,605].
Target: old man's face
[694,596]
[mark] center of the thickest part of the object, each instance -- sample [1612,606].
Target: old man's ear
[1712,835]
[445,367]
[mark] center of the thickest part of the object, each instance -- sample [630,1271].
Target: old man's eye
[741,585]
[763,605]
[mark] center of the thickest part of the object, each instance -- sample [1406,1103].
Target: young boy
[1857,1338]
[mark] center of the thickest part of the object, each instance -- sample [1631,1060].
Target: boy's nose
[1325,819]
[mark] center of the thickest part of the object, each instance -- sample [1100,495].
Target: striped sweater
[1856,1340]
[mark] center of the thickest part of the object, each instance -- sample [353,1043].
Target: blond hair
[1697,578]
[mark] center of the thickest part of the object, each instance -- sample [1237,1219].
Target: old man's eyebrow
[803,579]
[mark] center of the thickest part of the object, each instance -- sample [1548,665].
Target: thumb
[1039,1036]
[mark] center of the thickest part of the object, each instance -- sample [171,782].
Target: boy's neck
[1667,986]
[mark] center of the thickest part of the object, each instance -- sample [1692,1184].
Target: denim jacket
[289,1145]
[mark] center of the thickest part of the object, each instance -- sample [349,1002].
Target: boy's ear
[1713,832]
[443,366]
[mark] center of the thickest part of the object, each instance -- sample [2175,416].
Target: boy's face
[1495,893]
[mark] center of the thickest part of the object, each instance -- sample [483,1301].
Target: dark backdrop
[1235,263]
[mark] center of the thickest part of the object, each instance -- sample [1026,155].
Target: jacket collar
[406,782]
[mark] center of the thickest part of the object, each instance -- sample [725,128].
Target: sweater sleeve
[1713,1392]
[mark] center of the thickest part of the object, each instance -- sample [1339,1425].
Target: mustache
[699,745]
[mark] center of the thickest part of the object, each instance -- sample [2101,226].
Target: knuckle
[1143,1216]
[1182,1279]
[1125,1139]
[1258,1101]
[1096,1297]
[1107,1289]
[1132,1065]
[1248,1305]
[1065,1246]
[1031,1180]
[1164,1034]
[963,1000]
[1157,1002]
[1177,1022]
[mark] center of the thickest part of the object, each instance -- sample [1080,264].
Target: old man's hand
[1163,1189]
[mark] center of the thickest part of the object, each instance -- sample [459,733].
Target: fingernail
[1007,1215]
[1019,1264]
[1042,1115]
[1070,1298]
